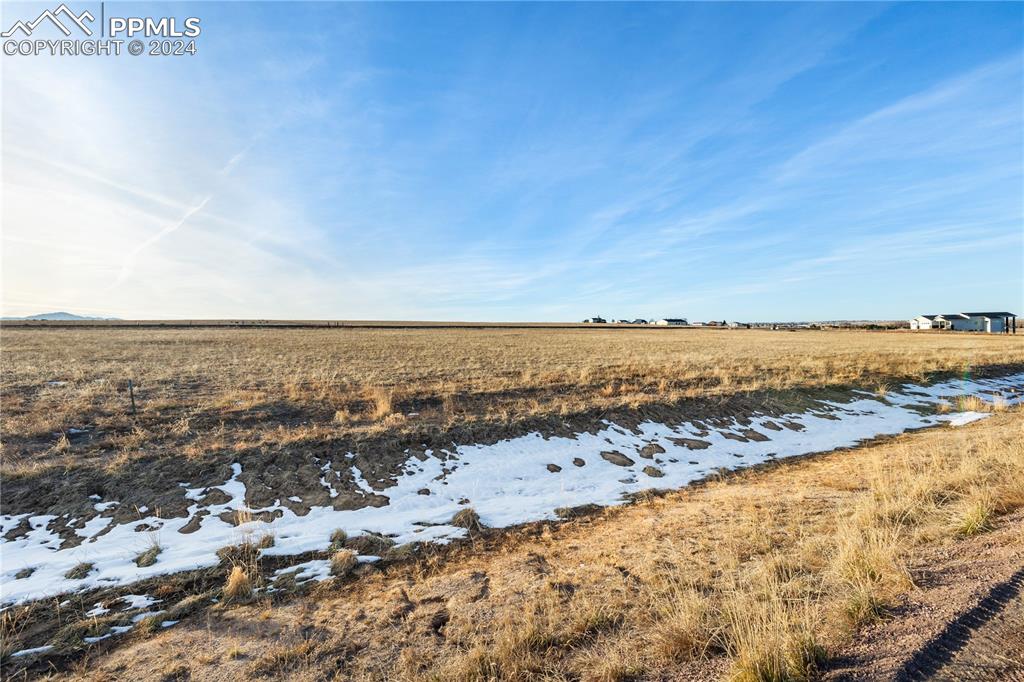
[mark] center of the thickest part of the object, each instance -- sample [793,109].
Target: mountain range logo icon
[53,15]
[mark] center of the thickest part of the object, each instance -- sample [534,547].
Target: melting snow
[964,418]
[357,475]
[508,482]
[29,652]
[138,601]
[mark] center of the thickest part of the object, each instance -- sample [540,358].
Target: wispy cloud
[745,161]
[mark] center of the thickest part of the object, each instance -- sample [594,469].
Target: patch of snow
[357,476]
[142,616]
[326,468]
[114,630]
[316,569]
[94,526]
[30,652]
[138,601]
[963,418]
[104,506]
[505,482]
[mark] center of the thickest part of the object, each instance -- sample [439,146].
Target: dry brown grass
[79,571]
[467,518]
[238,586]
[149,555]
[206,390]
[343,561]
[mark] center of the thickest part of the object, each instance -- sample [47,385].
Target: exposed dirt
[965,620]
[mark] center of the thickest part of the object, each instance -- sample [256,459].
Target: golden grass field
[764,575]
[204,390]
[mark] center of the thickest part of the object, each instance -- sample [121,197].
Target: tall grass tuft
[381,402]
[770,635]
[238,587]
[975,516]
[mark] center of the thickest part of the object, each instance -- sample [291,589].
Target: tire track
[983,643]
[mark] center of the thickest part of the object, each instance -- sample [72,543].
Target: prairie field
[451,504]
[199,391]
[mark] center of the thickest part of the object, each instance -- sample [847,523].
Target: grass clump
[975,516]
[381,402]
[245,553]
[771,638]
[238,587]
[371,544]
[343,562]
[869,571]
[148,557]
[338,538]
[80,571]
[71,636]
[467,518]
[686,628]
[283,659]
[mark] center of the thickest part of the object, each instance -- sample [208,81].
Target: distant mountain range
[59,316]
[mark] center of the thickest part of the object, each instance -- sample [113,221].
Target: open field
[250,450]
[203,391]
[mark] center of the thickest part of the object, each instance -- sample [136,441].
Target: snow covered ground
[509,482]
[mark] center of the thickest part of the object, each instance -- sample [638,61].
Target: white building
[929,322]
[671,322]
[988,322]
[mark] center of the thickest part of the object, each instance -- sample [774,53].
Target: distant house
[988,322]
[639,320]
[929,322]
[671,322]
[594,320]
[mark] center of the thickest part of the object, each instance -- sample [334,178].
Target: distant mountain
[59,316]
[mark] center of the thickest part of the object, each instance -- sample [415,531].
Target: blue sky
[524,162]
